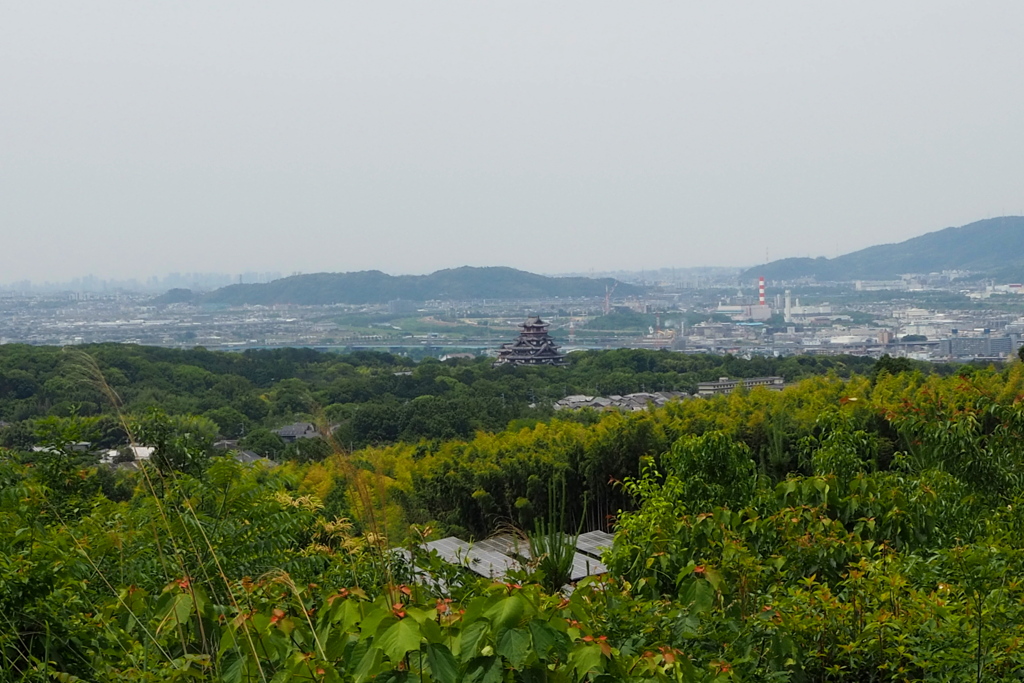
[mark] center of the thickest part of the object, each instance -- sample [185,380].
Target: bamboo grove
[853,527]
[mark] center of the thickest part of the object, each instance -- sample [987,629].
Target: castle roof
[534,346]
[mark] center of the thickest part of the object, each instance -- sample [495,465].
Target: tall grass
[552,548]
[192,561]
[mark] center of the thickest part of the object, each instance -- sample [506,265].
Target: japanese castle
[534,346]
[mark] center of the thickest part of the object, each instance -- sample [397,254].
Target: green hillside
[992,246]
[373,286]
[847,529]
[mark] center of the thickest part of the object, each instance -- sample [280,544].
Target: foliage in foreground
[839,531]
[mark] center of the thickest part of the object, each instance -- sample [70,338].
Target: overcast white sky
[140,138]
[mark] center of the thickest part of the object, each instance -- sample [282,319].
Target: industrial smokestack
[760,292]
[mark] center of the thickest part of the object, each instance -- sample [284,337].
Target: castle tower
[534,346]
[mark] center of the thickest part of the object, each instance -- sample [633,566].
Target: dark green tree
[264,442]
[893,366]
[231,423]
[181,444]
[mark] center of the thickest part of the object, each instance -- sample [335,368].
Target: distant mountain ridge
[994,246]
[373,286]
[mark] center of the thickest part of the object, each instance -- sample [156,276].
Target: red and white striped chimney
[760,292]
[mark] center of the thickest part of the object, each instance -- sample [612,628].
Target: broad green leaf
[507,612]
[347,615]
[368,664]
[469,642]
[376,613]
[227,641]
[335,643]
[443,667]
[476,607]
[232,672]
[284,675]
[392,677]
[714,578]
[419,615]
[66,677]
[431,631]
[202,602]
[401,637]
[514,645]
[353,654]
[586,658]
[700,596]
[331,674]
[543,637]
[178,613]
[483,670]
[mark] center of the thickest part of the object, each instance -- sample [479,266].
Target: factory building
[759,312]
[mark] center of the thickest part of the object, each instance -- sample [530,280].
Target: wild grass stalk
[88,370]
[366,511]
[187,553]
[552,548]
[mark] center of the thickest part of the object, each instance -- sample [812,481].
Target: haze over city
[143,139]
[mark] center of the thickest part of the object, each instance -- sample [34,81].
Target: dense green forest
[369,398]
[857,526]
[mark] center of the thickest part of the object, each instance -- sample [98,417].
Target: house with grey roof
[299,430]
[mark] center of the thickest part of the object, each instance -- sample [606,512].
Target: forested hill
[993,246]
[852,530]
[370,397]
[373,286]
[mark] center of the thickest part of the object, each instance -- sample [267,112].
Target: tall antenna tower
[608,297]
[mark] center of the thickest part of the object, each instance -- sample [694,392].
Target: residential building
[300,430]
[724,385]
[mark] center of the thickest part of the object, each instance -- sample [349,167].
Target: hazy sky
[139,138]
